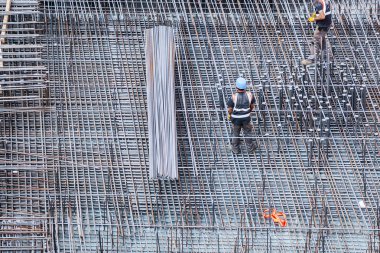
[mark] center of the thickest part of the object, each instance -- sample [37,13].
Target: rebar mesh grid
[24,215]
[317,128]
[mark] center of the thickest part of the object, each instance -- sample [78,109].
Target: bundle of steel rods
[160,52]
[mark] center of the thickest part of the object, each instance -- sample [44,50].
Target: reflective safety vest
[242,105]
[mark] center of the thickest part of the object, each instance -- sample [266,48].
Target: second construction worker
[323,18]
[240,106]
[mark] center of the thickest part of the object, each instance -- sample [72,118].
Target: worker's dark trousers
[248,134]
[319,41]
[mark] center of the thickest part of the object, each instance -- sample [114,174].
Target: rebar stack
[317,128]
[160,54]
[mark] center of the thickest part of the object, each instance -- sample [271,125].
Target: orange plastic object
[277,217]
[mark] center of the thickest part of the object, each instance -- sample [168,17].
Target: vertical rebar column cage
[160,60]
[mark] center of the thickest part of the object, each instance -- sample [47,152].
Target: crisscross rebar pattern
[317,128]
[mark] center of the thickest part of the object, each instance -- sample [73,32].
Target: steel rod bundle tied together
[160,56]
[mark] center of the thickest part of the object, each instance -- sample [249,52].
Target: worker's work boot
[235,150]
[307,61]
[253,148]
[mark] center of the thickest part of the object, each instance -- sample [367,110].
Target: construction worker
[323,18]
[240,106]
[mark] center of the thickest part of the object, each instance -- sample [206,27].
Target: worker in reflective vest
[240,106]
[323,18]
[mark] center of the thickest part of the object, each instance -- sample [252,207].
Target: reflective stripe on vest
[242,110]
[240,116]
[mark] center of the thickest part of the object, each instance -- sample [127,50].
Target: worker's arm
[320,16]
[229,113]
[230,104]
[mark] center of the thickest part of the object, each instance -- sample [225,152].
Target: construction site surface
[74,170]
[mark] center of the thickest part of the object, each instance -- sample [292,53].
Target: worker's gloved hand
[229,116]
[312,18]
